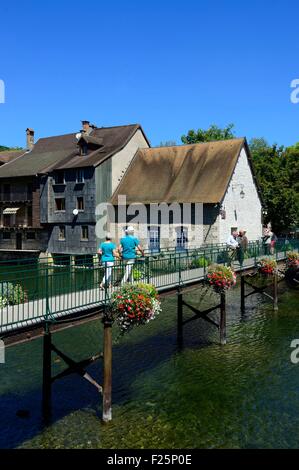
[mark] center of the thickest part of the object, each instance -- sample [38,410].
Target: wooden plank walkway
[30,313]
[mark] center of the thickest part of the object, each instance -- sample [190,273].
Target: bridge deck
[33,312]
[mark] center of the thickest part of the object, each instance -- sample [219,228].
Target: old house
[50,193]
[217,177]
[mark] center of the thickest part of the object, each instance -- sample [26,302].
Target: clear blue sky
[169,65]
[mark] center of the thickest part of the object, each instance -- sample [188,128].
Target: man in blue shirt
[128,246]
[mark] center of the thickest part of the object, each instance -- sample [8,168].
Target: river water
[242,395]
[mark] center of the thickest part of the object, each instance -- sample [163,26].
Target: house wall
[70,191]
[243,213]
[39,243]
[206,232]
[24,194]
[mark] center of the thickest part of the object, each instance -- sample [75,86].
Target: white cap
[130,229]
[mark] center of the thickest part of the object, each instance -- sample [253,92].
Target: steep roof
[9,155]
[185,173]
[61,152]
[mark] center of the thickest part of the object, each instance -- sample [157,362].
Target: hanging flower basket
[267,266]
[221,278]
[292,259]
[134,305]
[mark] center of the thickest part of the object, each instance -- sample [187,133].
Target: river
[242,395]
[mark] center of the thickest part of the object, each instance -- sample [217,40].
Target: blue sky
[169,65]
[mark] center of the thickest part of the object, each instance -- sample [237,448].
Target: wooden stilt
[47,378]
[275,291]
[107,385]
[222,319]
[180,318]
[242,294]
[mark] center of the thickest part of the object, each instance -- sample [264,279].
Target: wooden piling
[180,317]
[47,375]
[242,294]
[107,383]
[222,319]
[275,291]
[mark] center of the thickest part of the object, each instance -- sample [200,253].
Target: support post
[47,375]
[180,317]
[275,291]
[222,319]
[242,293]
[107,383]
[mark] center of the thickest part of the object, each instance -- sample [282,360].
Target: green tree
[277,172]
[212,133]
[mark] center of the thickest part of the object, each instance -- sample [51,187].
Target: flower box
[134,305]
[221,278]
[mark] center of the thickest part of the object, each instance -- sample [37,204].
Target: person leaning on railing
[127,247]
[108,252]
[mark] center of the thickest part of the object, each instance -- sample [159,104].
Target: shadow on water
[130,359]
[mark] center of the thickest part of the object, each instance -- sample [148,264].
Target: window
[60,204]
[80,203]
[29,191]
[80,176]
[31,235]
[29,216]
[6,235]
[6,220]
[84,232]
[61,232]
[181,238]
[84,149]
[6,192]
[59,177]
[154,238]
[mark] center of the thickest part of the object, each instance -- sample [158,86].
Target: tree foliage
[277,170]
[212,133]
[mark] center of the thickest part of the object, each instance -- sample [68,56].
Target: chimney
[86,127]
[29,138]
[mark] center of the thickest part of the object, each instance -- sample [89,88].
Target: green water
[243,395]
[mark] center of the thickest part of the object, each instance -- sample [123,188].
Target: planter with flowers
[134,305]
[221,278]
[267,266]
[292,259]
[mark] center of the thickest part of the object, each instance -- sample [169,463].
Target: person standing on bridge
[242,246]
[232,245]
[128,246]
[109,252]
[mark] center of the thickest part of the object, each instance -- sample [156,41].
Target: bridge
[45,291]
[43,295]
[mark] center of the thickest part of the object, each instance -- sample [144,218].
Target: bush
[201,262]
[12,294]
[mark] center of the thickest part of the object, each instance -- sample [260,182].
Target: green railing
[47,289]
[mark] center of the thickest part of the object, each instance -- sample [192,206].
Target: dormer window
[84,149]
[88,143]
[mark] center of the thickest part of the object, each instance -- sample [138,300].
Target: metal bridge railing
[35,290]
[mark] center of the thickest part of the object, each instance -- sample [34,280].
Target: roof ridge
[195,143]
